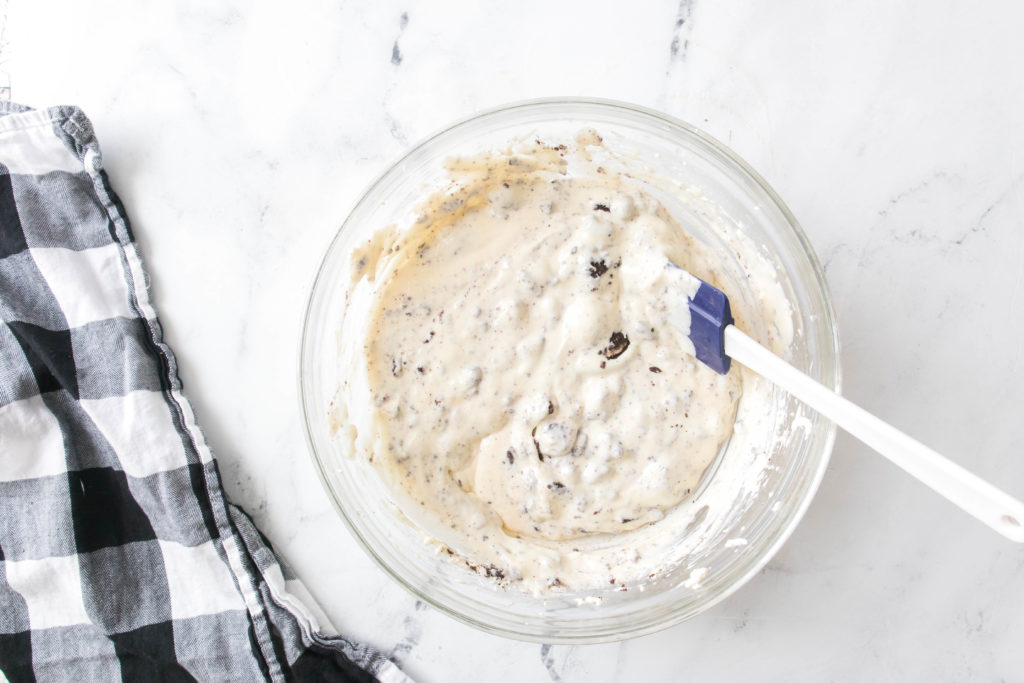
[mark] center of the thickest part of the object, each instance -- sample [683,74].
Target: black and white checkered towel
[120,557]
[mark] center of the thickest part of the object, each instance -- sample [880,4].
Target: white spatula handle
[994,507]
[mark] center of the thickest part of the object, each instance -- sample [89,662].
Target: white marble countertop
[239,134]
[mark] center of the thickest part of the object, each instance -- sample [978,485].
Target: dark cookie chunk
[598,268]
[617,345]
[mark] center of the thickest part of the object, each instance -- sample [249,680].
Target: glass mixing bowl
[719,192]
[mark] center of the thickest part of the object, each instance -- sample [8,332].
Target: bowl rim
[828,316]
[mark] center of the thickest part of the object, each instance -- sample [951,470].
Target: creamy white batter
[529,393]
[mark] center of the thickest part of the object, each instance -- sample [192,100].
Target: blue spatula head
[709,316]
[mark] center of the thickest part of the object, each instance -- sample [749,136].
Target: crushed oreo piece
[655,369]
[598,268]
[617,345]
[602,207]
[490,570]
[510,456]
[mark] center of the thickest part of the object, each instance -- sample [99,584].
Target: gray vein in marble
[413,631]
[396,59]
[830,256]
[395,131]
[914,190]
[916,235]
[396,52]
[186,84]
[682,31]
[549,663]
[742,622]
[979,225]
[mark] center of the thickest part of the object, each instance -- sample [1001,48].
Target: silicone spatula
[717,341]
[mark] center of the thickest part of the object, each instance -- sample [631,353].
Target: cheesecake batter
[529,393]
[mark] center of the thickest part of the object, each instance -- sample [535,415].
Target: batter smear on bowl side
[529,396]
